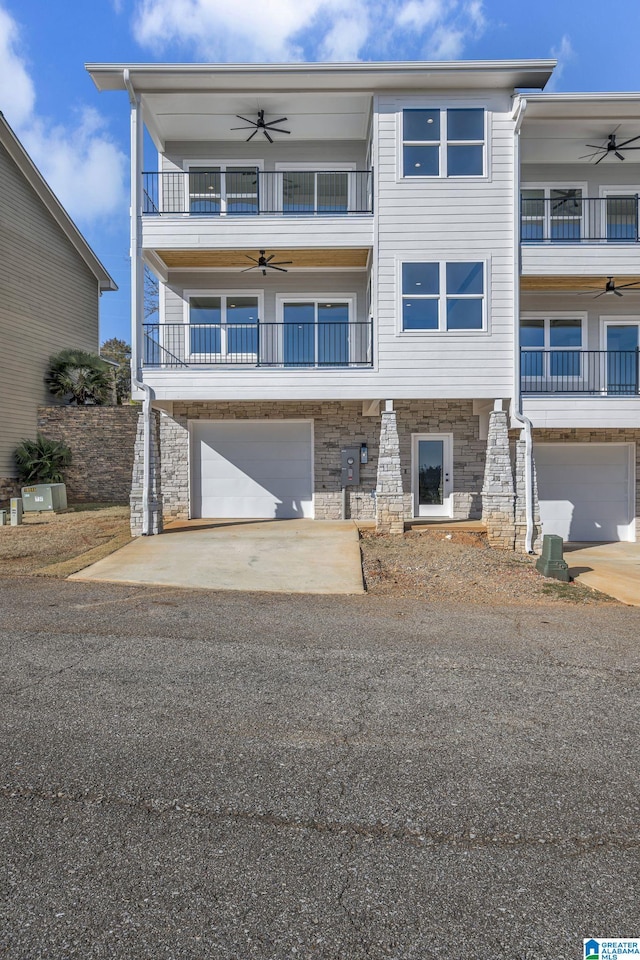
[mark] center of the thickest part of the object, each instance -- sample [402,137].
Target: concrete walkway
[277,556]
[613,568]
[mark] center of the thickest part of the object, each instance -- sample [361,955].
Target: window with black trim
[443,295]
[443,142]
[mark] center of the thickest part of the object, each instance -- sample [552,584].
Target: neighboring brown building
[50,284]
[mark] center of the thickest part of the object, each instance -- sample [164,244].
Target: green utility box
[551,562]
[44,496]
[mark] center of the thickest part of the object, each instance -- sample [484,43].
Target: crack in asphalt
[350,829]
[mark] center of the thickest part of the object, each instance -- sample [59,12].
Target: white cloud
[17,95]
[79,161]
[563,53]
[83,167]
[285,30]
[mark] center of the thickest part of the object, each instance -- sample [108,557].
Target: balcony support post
[389,493]
[146,511]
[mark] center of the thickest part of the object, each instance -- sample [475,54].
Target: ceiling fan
[610,147]
[264,263]
[261,124]
[612,287]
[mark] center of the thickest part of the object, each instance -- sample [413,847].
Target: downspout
[516,409]
[137,288]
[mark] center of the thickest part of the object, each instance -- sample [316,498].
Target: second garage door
[252,469]
[585,490]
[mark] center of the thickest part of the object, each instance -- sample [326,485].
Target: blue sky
[79,138]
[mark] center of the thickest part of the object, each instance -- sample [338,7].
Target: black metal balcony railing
[330,344]
[578,219]
[211,193]
[603,372]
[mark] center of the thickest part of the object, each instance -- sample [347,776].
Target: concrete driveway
[613,568]
[277,556]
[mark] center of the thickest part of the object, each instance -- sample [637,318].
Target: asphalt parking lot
[204,775]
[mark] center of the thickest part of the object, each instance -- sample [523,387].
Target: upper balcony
[234,208]
[563,232]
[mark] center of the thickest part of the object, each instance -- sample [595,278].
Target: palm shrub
[42,460]
[79,377]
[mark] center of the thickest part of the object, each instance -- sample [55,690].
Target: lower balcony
[562,373]
[333,344]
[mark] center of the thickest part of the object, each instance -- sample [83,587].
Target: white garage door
[584,490]
[249,468]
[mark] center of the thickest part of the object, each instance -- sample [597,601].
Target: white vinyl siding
[49,302]
[438,219]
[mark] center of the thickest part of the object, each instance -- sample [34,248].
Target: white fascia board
[48,198]
[201,77]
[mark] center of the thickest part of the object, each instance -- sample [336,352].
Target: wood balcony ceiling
[573,283]
[307,259]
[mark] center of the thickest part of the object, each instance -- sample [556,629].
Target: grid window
[443,295]
[443,142]
[223,327]
[551,347]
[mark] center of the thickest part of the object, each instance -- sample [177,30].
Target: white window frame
[610,320]
[349,298]
[442,297]
[621,190]
[446,508]
[548,186]
[224,354]
[309,167]
[222,165]
[546,349]
[443,142]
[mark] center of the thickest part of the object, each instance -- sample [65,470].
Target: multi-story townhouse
[340,250]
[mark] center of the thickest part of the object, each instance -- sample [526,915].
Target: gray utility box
[44,496]
[350,466]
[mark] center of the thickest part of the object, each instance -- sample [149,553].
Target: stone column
[155,495]
[521,503]
[389,498]
[498,494]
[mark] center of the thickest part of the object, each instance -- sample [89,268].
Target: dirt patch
[451,566]
[51,544]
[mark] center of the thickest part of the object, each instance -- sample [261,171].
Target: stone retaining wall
[101,440]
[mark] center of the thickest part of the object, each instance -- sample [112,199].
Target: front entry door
[432,474]
[622,342]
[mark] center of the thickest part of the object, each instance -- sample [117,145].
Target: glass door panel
[333,334]
[299,334]
[205,190]
[430,473]
[298,192]
[565,214]
[622,358]
[432,483]
[622,218]
[532,215]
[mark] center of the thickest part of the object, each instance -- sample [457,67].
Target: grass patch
[65,568]
[574,593]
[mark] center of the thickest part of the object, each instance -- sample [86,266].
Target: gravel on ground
[47,543]
[446,565]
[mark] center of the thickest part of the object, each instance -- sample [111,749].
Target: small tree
[79,377]
[119,352]
[42,460]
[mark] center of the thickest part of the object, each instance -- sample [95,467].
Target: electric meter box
[44,496]
[350,465]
